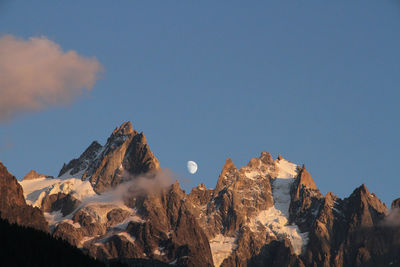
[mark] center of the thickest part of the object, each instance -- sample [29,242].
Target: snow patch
[159,251]
[173,262]
[276,223]
[286,169]
[53,218]
[252,174]
[221,248]
[36,190]
[71,222]
[276,217]
[124,224]
[86,239]
[127,236]
[99,211]
[281,194]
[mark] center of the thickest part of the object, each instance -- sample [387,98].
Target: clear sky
[317,81]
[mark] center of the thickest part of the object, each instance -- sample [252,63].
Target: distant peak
[125,129]
[32,174]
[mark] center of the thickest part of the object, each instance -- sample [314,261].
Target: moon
[192,167]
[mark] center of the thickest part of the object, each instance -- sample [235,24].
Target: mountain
[126,150]
[85,206]
[116,203]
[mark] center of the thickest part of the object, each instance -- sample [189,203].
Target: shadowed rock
[13,206]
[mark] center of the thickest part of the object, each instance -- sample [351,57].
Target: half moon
[192,167]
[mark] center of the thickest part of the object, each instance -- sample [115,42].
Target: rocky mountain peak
[304,178]
[125,129]
[266,158]
[228,166]
[32,174]
[365,208]
[125,155]
[228,170]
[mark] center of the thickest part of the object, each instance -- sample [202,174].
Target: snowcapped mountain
[115,202]
[104,166]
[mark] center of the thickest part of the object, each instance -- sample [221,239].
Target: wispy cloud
[37,73]
[133,186]
[393,218]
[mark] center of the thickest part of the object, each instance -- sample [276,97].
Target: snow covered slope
[221,247]
[36,190]
[276,218]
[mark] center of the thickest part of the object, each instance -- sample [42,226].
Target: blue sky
[317,81]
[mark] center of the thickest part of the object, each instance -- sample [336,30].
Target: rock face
[332,233]
[13,206]
[125,154]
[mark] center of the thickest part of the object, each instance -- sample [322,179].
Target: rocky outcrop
[306,201]
[125,155]
[65,203]
[13,206]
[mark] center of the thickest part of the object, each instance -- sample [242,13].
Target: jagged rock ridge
[156,225]
[267,213]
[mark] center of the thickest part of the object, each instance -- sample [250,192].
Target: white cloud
[37,73]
